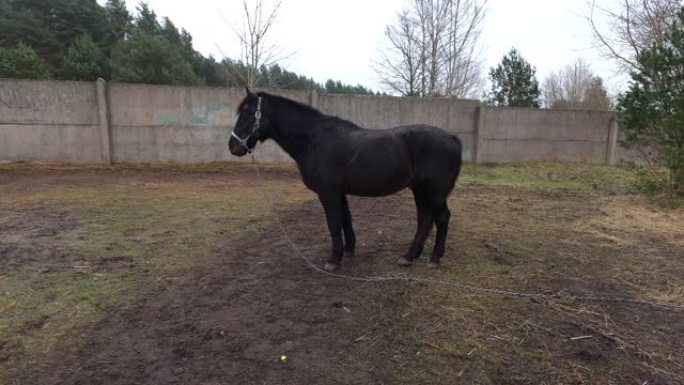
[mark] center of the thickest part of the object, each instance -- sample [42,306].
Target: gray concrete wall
[97,123]
[179,124]
[530,134]
[49,121]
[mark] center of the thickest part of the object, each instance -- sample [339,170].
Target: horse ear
[249,93]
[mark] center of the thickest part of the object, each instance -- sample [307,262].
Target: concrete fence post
[105,126]
[477,139]
[611,146]
[313,98]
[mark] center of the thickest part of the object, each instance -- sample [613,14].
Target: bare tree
[575,87]
[432,49]
[400,71]
[631,26]
[566,87]
[464,70]
[255,50]
[596,96]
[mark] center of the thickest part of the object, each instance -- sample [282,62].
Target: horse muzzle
[236,148]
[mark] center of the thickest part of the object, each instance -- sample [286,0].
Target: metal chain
[455,284]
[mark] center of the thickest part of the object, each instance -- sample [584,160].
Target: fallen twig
[8,306]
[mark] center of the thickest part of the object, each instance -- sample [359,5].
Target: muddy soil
[262,316]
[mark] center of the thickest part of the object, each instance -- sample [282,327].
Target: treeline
[83,40]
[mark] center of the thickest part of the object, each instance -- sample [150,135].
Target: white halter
[255,128]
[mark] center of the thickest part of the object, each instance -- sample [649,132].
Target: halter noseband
[255,128]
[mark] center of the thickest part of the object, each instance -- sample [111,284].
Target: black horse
[336,157]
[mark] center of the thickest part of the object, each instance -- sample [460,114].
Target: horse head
[249,127]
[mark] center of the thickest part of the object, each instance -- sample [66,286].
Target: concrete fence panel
[525,134]
[54,121]
[50,121]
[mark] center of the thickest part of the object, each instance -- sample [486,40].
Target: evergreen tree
[20,23]
[652,110]
[51,26]
[84,61]
[83,40]
[145,58]
[207,69]
[119,19]
[210,72]
[171,33]
[514,83]
[337,87]
[146,21]
[22,62]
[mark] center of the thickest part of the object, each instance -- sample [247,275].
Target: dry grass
[530,234]
[636,214]
[118,232]
[76,247]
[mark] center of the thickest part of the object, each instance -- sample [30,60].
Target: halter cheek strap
[255,128]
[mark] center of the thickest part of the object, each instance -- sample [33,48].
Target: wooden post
[105,126]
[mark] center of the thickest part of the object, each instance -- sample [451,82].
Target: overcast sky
[340,38]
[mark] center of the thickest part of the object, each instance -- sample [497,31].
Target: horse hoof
[330,267]
[433,265]
[404,262]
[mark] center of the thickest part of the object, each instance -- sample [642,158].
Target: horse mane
[304,108]
[301,107]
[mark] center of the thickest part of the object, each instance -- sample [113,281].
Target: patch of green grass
[39,310]
[602,178]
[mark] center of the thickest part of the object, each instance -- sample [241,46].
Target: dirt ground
[181,276]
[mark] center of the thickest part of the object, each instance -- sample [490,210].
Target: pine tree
[171,33]
[119,19]
[145,58]
[514,83]
[84,61]
[51,26]
[22,62]
[652,110]
[146,21]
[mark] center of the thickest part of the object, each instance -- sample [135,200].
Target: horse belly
[378,176]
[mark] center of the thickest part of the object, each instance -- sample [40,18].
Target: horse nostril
[235,148]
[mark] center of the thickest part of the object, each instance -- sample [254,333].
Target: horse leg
[332,205]
[424,215]
[349,236]
[441,214]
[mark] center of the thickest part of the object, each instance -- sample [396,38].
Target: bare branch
[575,87]
[258,20]
[432,49]
[633,26]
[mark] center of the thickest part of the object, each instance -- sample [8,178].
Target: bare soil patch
[247,299]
